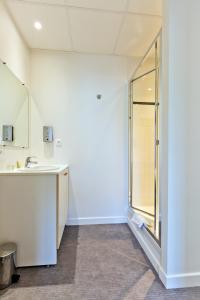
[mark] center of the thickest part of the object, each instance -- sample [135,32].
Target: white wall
[13,49]
[16,54]
[177,46]
[193,141]
[94,133]
[181,206]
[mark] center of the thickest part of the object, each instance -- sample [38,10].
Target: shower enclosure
[144,140]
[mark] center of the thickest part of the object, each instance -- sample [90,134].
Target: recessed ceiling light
[38,25]
[149,89]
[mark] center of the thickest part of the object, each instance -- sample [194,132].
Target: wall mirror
[14,110]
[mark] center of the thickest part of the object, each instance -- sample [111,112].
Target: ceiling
[119,27]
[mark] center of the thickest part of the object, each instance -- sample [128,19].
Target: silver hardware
[47,134]
[29,161]
[7,264]
[8,135]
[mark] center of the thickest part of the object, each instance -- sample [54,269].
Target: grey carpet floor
[97,262]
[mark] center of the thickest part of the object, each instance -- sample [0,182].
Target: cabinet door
[62,204]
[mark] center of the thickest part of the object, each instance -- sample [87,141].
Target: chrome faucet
[29,161]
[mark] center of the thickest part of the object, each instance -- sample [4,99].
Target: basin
[39,168]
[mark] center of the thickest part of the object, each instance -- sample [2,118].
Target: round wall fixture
[99,96]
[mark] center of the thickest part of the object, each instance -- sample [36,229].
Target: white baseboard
[97,220]
[148,244]
[153,252]
[184,280]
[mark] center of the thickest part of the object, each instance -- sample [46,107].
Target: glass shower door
[144,141]
[144,147]
[143,197]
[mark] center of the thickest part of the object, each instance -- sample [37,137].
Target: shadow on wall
[62,273]
[73,216]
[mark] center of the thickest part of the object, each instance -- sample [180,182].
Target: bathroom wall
[180,184]
[93,133]
[175,202]
[15,53]
[13,50]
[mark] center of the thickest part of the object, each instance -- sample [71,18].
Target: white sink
[39,168]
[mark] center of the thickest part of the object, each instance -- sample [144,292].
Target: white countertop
[58,169]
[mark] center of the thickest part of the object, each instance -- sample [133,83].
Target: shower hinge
[157,142]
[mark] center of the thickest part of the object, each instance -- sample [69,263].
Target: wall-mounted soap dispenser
[7,133]
[47,134]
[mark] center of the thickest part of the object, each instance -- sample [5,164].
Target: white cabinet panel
[62,204]
[28,217]
[33,214]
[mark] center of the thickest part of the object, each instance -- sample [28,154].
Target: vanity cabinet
[33,214]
